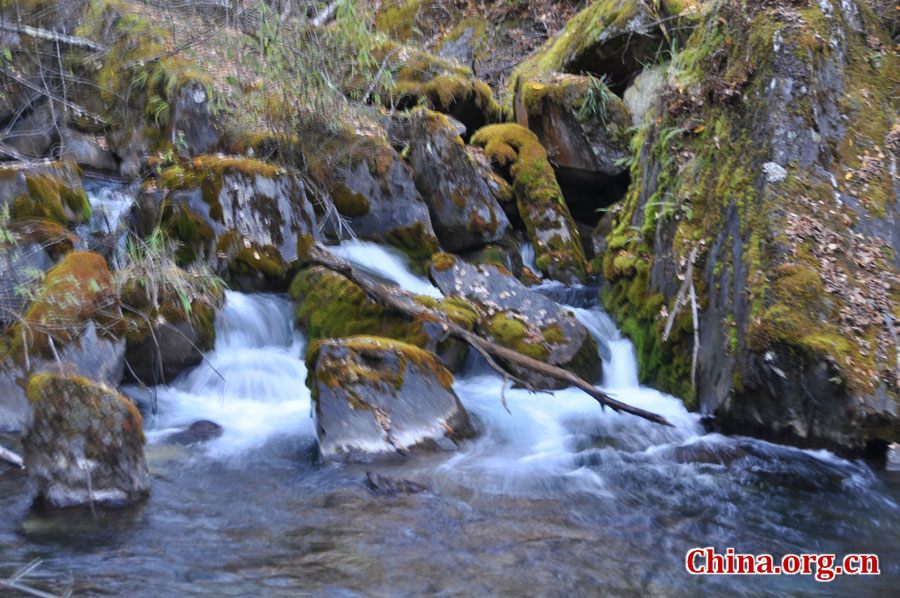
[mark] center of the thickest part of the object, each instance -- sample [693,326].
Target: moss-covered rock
[76,291]
[372,187]
[331,306]
[541,206]
[47,190]
[463,209]
[773,170]
[211,196]
[586,128]
[378,396]
[85,445]
[520,319]
[612,38]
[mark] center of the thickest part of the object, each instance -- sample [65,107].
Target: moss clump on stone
[78,289]
[538,196]
[247,259]
[414,241]
[443,261]
[331,306]
[54,238]
[51,198]
[348,202]
[516,335]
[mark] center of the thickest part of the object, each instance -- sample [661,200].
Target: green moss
[538,197]
[244,260]
[554,334]
[54,238]
[78,289]
[443,261]
[445,92]
[49,197]
[331,306]
[413,240]
[347,202]
[516,335]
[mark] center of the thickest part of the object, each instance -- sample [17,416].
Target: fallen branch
[403,302]
[326,15]
[12,458]
[52,36]
[13,582]
[681,297]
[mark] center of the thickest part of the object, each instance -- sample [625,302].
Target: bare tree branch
[52,36]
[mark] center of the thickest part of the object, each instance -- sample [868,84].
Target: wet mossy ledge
[774,170]
[48,190]
[557,245]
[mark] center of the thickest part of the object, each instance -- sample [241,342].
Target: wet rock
[375,396]
[35,133]
[521,319]
[583,124]
[515,150]
[215,195]
[195,129]
[99,456]
[46,190]
[463,209]
[385,486]
[797,289]
[199,431]
[373,189]
[172,347]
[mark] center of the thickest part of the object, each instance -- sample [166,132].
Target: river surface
[556,498]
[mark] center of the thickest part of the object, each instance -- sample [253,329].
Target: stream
[556,498]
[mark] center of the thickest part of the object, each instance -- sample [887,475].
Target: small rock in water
[385,486]
[199,431]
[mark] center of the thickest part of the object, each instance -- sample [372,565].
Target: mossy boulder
[515,150]
[521,319]
[612,38]
[211,196]
[331,306]
[380,397]
[250,267]
[585,127]
[85,445]
[75,292]
[372,188]
[464,211]
[46,190]
[195,127]
[773,171]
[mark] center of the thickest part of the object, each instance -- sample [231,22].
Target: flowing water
[555,498]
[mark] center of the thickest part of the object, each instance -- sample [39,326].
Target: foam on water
[257,389]
[385,263]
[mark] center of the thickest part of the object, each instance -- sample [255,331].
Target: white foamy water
[526,250]
[257,389]
[385,263]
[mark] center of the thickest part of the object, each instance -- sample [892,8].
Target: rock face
[521,319]
[557,245]
[215,195]
[45,190]
[786,194]
[375,396]
[585,126]
[463,209]
[85,444]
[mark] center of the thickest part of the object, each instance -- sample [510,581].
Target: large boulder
[777,176]
[585,127]
[557,245]
[521,319]
[85,445]
[372,189]
[376,396]
[464,211]
[211,196]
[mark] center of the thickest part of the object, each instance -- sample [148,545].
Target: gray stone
[463,209]
[377,396]
[194,128]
